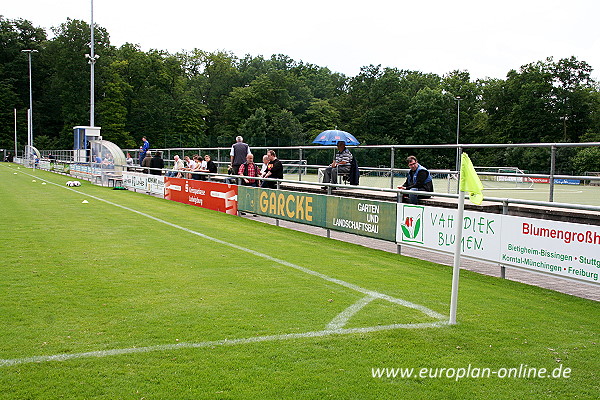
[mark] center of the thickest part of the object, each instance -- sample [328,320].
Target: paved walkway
[531,278]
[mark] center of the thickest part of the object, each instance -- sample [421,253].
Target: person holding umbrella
[340,165]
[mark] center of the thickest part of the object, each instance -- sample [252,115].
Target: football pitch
[108,294]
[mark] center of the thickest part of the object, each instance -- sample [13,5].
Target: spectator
[147,162]
[265,163]
[418,179]
[107,162]
[129,160]
[197,167]
[202,167]
[238,153]
[340,165]
[250,170]
[157,163]
[177,167]
[190,164]
[143,149]
[274,170]
[210,165]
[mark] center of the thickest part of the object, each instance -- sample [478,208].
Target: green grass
[80,278]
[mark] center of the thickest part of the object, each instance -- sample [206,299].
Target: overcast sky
[483,37]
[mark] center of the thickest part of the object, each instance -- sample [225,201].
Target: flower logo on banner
[412,224]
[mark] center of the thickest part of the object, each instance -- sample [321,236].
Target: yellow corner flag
[469,181]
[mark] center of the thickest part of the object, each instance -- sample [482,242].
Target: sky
[485,38]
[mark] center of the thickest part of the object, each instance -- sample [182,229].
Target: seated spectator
[190,164]
[177,167]
[197,167]
[107,162]
[250,170]
[340,165]
[418,179]
[210,165]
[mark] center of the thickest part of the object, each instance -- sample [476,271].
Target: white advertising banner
[43,164]
[149,183]
[562,249]
[435,228]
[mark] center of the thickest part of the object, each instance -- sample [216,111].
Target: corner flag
[469,181]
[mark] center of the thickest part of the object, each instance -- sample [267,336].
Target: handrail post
[299,164]
[278,186]
[552,170]
[392,168]
[459,151]
[398,200]
[504,212]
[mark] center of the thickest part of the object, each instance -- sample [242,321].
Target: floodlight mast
[30,112]
[92,61]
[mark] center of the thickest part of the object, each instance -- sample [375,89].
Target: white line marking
[334,327]
[225,342]
[342,318]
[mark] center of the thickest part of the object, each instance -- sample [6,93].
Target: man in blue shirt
[418,179]
[144,148]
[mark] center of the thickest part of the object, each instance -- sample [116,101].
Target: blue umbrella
[331,137]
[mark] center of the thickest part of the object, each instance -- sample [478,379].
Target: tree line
[204,99]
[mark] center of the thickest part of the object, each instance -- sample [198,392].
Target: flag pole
[457,252]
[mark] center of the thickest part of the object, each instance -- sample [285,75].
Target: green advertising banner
[371,218]
[305,208]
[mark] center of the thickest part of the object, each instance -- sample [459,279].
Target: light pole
[30,113]
[458,99]
[92,61]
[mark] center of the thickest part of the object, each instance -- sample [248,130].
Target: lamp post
[30,113]
[458,99]
[92,61]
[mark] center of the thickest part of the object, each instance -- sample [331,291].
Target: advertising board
[561,249]
[435,228]
[212,195]
[149,183]
[370,218]
[304,208]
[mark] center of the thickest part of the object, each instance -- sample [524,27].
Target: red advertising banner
[540,180]
[212,195]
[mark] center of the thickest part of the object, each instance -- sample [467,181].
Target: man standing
[144,148]
[238,153]
[157,164]
[341,164]
[274,170]
[147,162]
[418,179]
